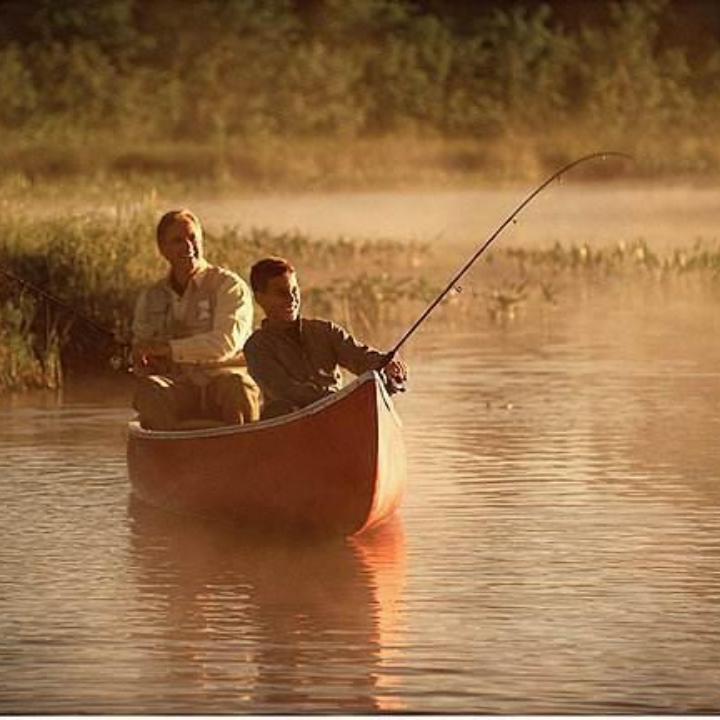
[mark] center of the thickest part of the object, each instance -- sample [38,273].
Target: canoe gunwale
[135,429]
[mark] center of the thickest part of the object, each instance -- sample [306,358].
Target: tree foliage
[213,70]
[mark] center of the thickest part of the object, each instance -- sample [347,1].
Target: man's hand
[150,356]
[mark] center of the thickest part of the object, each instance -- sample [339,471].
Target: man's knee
[237,398]
[154,402]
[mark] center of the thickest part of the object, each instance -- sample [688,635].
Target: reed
[97,263]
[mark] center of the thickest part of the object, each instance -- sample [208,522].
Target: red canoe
[337,466]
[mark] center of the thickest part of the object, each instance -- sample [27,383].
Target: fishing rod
[124,346]
[510,218]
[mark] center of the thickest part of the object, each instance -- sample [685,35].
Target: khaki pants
[172,403]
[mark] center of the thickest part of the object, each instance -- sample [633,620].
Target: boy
[295,360]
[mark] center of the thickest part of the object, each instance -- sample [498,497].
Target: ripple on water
[558,550]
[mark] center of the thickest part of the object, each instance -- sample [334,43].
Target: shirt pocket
[156,310]
[204,310]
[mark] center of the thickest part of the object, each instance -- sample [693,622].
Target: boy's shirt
[298,362]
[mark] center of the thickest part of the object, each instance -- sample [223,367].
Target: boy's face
[281,298]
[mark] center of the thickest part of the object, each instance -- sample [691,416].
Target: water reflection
[562,556]
[579,474]
[244,622]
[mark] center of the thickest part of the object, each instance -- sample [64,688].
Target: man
[188,332]
[295,360]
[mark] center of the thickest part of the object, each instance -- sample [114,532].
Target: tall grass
[96,265]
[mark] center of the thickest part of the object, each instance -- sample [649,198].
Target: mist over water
[599,214]
[557,550]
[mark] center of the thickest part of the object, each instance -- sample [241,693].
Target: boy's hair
[266,269]
[171,217]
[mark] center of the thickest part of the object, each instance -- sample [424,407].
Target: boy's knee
[276,408]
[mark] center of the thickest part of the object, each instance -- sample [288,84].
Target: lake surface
[558,550]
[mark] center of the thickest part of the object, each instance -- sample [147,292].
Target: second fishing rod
[118,360]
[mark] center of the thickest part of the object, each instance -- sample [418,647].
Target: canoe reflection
[249,623]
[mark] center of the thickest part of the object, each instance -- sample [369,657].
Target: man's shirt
[208,323]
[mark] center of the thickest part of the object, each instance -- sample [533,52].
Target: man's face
[281,298]
[181,245]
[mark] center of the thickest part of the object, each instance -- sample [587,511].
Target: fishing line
[123,346]
[512,218]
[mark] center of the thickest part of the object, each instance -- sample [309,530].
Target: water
[558,550]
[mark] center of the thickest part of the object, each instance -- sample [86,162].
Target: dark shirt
[297,363]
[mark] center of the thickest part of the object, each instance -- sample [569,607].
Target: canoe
[337,466]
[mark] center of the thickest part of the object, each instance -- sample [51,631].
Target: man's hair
[266,269]
[171,217]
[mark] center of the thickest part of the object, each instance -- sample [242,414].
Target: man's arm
[149,355]
[232,325]
[142,330]
[274,379]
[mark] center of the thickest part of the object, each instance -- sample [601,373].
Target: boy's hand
[396,374]
[397,371]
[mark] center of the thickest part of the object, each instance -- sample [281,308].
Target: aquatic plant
[97,263]
[27,359]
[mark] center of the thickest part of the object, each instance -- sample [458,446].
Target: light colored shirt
[209,322]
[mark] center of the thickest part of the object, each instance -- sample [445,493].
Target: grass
[97,263]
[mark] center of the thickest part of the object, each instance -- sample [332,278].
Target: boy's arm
[353,355]
[274,379]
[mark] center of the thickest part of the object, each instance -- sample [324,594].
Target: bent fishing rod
[510,219]
[65,306]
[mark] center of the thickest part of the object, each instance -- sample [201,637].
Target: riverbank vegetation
[96,264]
[347,93]
[107,100]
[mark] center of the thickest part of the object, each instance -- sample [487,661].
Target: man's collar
[195,278]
